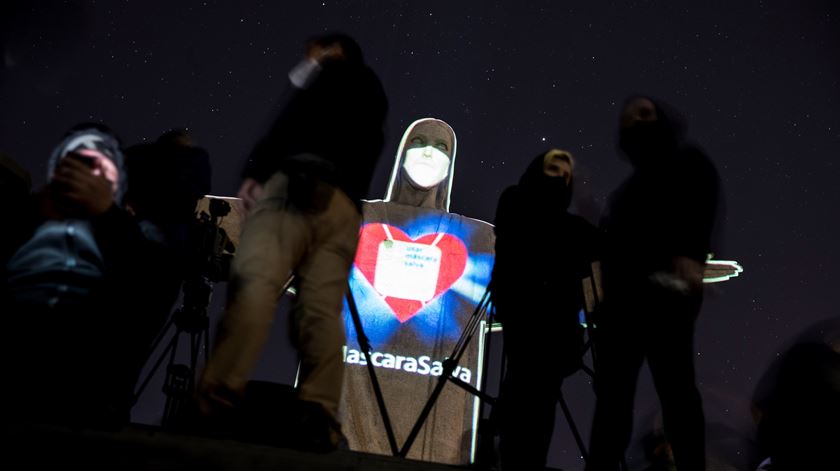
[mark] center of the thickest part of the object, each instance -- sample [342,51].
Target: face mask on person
[304,73]
[553,190]
[644,141]
[426,166]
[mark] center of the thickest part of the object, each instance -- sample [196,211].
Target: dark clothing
[658,213]
[316,164]
[664,211]
[166,180]
[542,255]
[541,260]
[85,299]
[657,325]
[84,296]
[15,188]
[338,118]
[798,399]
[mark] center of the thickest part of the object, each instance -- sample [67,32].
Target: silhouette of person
[74,289]
[656,235]
[166,178]
[797,402]
[542,255]
[307,104]
[315,164]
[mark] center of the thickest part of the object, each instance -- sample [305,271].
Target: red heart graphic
[452,264]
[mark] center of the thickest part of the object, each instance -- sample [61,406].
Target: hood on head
[95,139]
[647,142]
[167,177]
[401,190]
[537,166]
[550,191]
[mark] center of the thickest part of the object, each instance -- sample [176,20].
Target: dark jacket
[85,298]
[542,252]
[339,118]
[665,209]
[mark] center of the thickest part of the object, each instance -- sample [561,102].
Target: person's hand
[81,190]
[213,397]
[250,192]
[690,271]
[321,54]
[685,276]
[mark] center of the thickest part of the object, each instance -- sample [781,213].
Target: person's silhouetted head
[549,177]
[176,137]
[558,163]
[167,177]
[99,147]
[648,130]
[334,46]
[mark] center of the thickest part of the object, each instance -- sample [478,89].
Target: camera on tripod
[212,247]
[208,262]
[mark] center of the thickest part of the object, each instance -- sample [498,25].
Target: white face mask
[426,166]
[304,73]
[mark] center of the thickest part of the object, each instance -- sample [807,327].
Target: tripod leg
[364,344]
[569,420]
[473,390]
[427,409]
[206,345]
[176,390]
[195,346]
[170,347]
[171,385]
[486,429]
[448,367]
[162,334]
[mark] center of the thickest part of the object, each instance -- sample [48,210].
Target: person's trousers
[279,240]
[541,351]
[656,325]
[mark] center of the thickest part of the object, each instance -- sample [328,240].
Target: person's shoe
[315,430]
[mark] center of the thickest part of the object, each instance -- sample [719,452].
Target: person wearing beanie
[72,289]
[543,253]
[85,183]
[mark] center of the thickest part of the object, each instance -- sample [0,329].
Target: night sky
[757,81]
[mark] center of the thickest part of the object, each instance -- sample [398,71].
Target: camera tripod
[191,318]
[480,312]
[364,345]
[489,427]
[210,264]
[449,365]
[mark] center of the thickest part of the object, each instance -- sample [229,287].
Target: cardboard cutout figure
[419,273]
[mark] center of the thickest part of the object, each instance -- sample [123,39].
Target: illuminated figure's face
[427,157]
[558,165]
